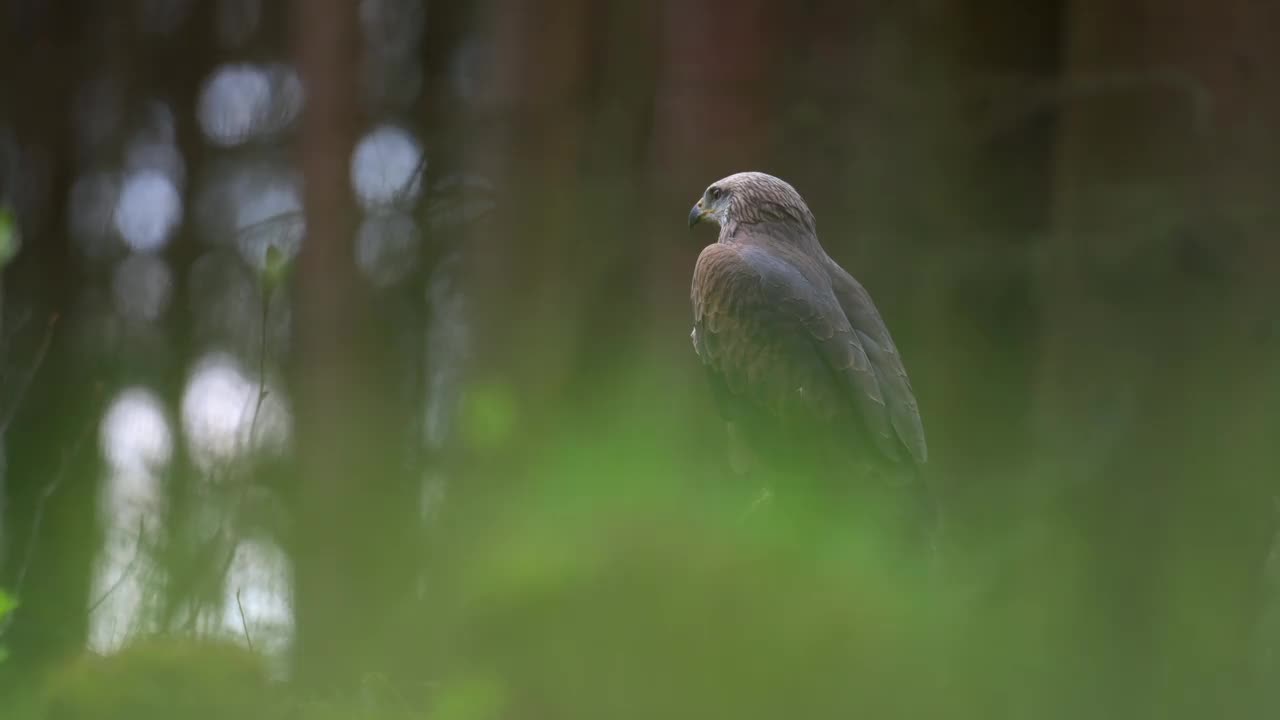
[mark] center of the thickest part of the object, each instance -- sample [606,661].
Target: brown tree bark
[355,508]
[528,113]
[712,114]
[53,461]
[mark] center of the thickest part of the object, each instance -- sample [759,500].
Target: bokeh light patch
[384,167]
[218,409]
[148,210]
[135,435]
[241,102]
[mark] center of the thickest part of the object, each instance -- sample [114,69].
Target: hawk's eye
[715,193]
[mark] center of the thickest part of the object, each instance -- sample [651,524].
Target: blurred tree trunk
[718,80]
[356,504]
[948,186]
[53,461]
[708,72]
[528,115]
[173,67]
[1158,293]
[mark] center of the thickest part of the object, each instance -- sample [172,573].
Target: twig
[762,498]
[37,518]
[417,176]
[128,569]
[14,328]
[41,352]
[244,624]
[278,218]
[262,367]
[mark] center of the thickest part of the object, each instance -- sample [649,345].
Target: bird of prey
[801,364]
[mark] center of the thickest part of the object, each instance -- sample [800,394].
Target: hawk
[800,362]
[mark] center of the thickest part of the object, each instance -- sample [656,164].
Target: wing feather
[776,336]
[874,336]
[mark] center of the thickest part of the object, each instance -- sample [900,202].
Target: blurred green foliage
[10,237]
[168,677]
[8,604]
[488,417]
[274,268]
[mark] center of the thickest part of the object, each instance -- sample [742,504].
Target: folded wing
[774,338]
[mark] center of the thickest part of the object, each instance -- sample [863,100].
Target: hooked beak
[695,215]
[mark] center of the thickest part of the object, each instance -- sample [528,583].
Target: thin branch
[37,519]
[244,624]
[405,192]
[262,368]
[14,328]
[277,219]
[128,569]
[235,469]
[41,352]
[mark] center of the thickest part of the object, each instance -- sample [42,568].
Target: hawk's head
[751,197]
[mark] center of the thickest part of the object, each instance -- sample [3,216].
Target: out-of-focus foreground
[345,364]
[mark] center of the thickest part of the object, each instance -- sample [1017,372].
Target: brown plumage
[799,359]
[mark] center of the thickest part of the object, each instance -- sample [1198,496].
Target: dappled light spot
[488,416]
[218,409]
[148,210]
[125,586]
[92,203]
[135,434]
[142,286]
[257,583]
[242,102]
[387,247]
[232,103]
[384,167]
[137,442]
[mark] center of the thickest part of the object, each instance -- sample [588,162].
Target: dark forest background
[351,338]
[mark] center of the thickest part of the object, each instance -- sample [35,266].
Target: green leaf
[10,237]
